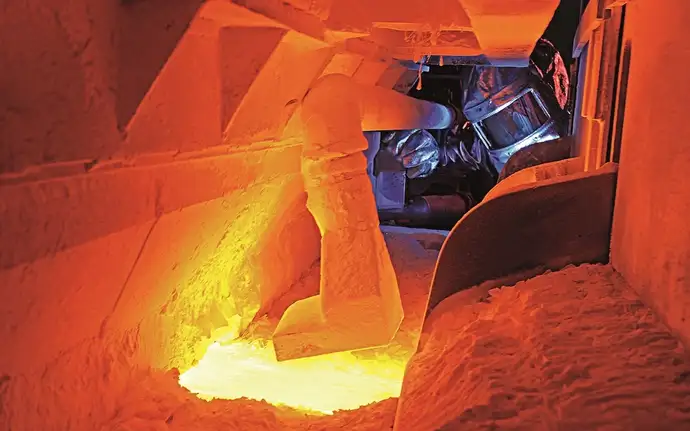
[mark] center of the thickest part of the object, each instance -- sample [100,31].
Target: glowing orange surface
[324,384]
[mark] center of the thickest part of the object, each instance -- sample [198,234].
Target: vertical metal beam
[616,129]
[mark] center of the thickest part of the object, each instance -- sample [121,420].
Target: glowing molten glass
[338,381]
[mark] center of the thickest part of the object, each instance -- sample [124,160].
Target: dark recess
[562,28]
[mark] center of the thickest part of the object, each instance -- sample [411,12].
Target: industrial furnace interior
[344,214]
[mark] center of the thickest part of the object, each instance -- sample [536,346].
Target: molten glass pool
[339,381]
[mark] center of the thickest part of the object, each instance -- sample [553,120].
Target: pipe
[379,108]
[359,302]
[437,211]
[384,109]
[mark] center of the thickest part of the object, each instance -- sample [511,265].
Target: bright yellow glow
[338,381]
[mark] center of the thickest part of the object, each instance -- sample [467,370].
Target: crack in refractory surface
[129,276]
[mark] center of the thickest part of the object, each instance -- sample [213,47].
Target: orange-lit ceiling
[405,30]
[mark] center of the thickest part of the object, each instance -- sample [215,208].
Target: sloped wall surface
[651,233]
[126,210]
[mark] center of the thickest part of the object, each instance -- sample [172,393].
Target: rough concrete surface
[570,350]
[97,385]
